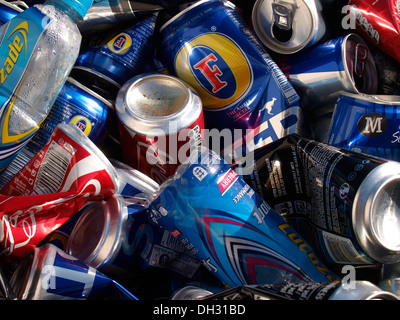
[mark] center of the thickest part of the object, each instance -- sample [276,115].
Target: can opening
[156,97]
[385,216]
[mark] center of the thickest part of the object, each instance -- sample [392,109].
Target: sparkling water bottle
[38,49]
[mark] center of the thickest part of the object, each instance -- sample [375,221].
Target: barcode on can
[52,170]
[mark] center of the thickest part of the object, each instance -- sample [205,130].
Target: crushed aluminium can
[378,23]
[48,273]
[209,46]
[368,124]
[75,104]
[344,203]
[287,27]
[321,72]
[122,57]
[220,220]
[160,121]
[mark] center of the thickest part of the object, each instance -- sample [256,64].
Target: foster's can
[160,120]
[288,26]
[210,47]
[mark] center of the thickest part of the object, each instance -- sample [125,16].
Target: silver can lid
[157,104]
[98,234]
[376,213]
[287,26]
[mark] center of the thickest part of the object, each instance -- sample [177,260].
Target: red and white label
[227,181]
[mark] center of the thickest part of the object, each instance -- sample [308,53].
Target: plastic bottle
[38,49]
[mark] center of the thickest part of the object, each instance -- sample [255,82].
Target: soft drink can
[76,104]
[343,203]
[160,120]
[122,57]
[357,290]
[389,279]
[377,22]
[368,124]
[210,47]
[48,273]
[321,72]
[238,237]
[287,27]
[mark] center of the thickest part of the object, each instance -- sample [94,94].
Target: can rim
[375,98]
[152,126]
[99,74]
[279,46]
[114,215]
[363,209]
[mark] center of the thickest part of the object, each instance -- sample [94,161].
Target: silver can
[288,26]
[389,278]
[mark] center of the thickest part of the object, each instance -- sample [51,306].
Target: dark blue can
[8,11]
[368,124]
[75,104]
[123,56]
[209,46]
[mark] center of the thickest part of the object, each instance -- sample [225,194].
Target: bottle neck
[65,8]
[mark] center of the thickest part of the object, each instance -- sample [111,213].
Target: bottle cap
[81,6]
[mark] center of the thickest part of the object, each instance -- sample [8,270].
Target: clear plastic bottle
[38,49]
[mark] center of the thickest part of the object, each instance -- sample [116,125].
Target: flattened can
[321,72]
[76,104]
[288,26]
[210,47]
[160,121]
[344,203]
[238,237]
[368,124]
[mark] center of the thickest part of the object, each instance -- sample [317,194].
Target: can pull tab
[360,60]
[283,15]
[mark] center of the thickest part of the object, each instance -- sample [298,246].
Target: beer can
[160,120]
[378,23]
[123,56]
[287,27]
[48,273]
[238,237]
[245,95]
[368,124]
[343,203]
[321,72]
[357,290]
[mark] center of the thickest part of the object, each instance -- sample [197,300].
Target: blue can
[368,124]
[322,71]
[220,220]
[48,273]
[8,11]
[75,104]
[209,46]
[122,57]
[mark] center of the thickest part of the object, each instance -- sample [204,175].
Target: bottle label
[18,40]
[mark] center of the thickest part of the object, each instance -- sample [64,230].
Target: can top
[96,237]
[157,104]
[376,213]
[287,26]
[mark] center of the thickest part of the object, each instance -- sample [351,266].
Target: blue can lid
[80,6]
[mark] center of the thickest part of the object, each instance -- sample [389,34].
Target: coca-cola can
[160,121]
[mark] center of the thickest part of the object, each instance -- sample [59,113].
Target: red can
[160,121]
[377,22]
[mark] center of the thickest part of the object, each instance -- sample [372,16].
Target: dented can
[160,120]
